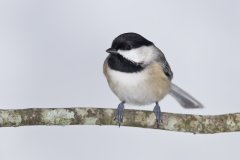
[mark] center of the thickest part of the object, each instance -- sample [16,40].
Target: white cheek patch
[142,54]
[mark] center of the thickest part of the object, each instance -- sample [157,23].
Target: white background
[51,55]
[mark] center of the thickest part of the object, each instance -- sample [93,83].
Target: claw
[157,112]
[119,113]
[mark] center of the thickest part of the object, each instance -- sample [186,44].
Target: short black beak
[111,50]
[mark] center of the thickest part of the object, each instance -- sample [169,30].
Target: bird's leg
[157,112]
[119,113]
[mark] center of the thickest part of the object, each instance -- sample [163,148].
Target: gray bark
[132,118]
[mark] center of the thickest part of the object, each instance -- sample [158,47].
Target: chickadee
[138,73]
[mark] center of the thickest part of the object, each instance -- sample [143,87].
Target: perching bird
[138,73]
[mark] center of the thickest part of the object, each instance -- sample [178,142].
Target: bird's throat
[119,63]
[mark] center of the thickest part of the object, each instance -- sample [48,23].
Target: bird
[138,73]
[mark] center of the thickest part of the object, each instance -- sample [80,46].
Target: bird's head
[133,47]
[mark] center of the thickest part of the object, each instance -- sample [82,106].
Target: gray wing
[182,97]
[163,62]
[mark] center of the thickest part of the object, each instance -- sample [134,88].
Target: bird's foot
[119,113]
[157,112]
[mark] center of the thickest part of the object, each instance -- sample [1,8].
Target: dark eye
[128,47]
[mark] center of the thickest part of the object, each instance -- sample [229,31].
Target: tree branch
[134,118]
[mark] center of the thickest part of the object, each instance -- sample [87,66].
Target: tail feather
[186,100]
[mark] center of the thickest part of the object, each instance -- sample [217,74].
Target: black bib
[119,63]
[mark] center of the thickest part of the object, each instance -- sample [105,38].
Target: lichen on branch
[132,118]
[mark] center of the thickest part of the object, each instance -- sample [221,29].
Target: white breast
[139,88]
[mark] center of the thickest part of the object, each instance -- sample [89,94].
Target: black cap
[127,41]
